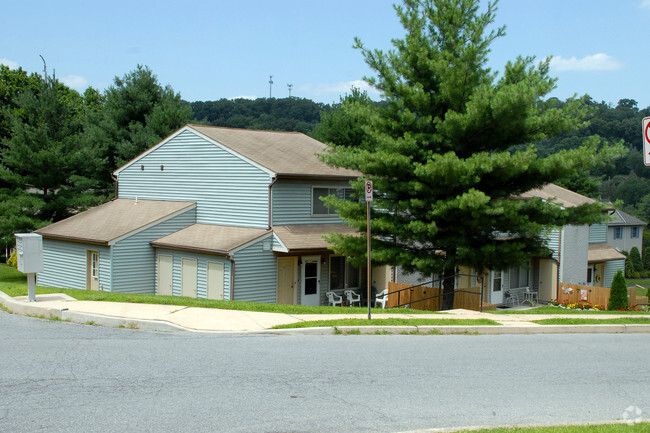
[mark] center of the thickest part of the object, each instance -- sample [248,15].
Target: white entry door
[496,295]
[165,272]
[310,280]
[188,277]
[215,280]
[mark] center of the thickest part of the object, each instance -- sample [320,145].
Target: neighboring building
[212,213]
[625,231]
[580,255]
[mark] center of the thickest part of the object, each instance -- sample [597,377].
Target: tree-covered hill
[286,114]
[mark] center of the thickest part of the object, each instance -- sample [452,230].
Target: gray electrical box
[29,249]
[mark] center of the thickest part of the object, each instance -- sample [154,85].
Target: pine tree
[618,292]
[635,260]
[46,167]
[446,183]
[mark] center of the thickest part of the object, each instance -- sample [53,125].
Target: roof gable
[283,154]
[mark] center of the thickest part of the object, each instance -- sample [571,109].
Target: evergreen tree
[446,183]
[46,167]
[646,259]
[137,113]
[344,124]
[635,259]
[618,292]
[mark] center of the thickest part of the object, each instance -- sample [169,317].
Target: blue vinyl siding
[597,233]
[611,268]
[133,258]
[256,273]
[227,189]
[292,201]
[553,241]
[64,265]
[202,266]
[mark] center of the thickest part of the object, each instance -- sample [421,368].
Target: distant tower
[270,84]
[289,86]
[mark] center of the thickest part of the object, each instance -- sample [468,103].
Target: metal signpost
[646,141]
[369,199]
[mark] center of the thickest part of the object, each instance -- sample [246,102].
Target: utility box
[29,249]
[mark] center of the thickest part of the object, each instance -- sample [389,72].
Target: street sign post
[369,198]
[646,141]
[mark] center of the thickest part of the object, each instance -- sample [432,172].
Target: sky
[213,49]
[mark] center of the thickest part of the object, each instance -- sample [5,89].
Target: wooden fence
[417,296]
[595,295]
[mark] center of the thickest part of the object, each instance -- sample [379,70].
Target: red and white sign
[368,190]
[646,141]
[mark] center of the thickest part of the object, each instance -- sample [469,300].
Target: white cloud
[645,4]
[594,62]
[10,63]
[75,82]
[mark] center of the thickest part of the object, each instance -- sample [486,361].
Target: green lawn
[556,310]
[604,428]
[581,321]
[388,322]
[14,283]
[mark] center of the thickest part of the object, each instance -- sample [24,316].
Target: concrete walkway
[173,317]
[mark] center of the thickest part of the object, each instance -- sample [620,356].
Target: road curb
[27,308]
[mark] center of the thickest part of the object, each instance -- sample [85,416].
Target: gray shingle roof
[309,236]
[209,238]
[288,154]
[110,221]
[562,196]
[625,219]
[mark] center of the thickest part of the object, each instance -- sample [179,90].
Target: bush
[618,293]
[630,272]
[635,258]
[646,259]
[13,260]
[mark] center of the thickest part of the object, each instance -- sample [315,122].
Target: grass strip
[14,283]
[643,427]
[388,322]
[557,310]
[615,321]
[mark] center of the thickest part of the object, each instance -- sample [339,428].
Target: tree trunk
[448,288]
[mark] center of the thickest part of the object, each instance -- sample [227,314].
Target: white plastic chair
[334,299]
[511,297]
[353,297]
[382,298]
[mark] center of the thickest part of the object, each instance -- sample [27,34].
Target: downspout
[117,183]
[232,277]
[275,179]
[559,262]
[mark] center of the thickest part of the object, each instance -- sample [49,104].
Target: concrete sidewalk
[179,318]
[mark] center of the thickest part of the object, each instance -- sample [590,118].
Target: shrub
[13,260]
[635,258]
[618,293]
[630,272]
[646,259]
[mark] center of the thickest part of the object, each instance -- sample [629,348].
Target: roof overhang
[603,252]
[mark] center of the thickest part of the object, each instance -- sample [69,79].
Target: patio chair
[353,297]
[510,297]
[382,298]
[334,299]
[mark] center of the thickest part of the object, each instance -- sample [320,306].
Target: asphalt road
[63,377]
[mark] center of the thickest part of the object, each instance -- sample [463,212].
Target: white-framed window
[634,232]
[94,264]
[318,206]
[618,233]
[345,276]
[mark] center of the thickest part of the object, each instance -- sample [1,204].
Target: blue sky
[208,50]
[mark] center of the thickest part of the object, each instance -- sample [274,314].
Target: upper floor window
[635,232]
[318,206]
[618,233]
